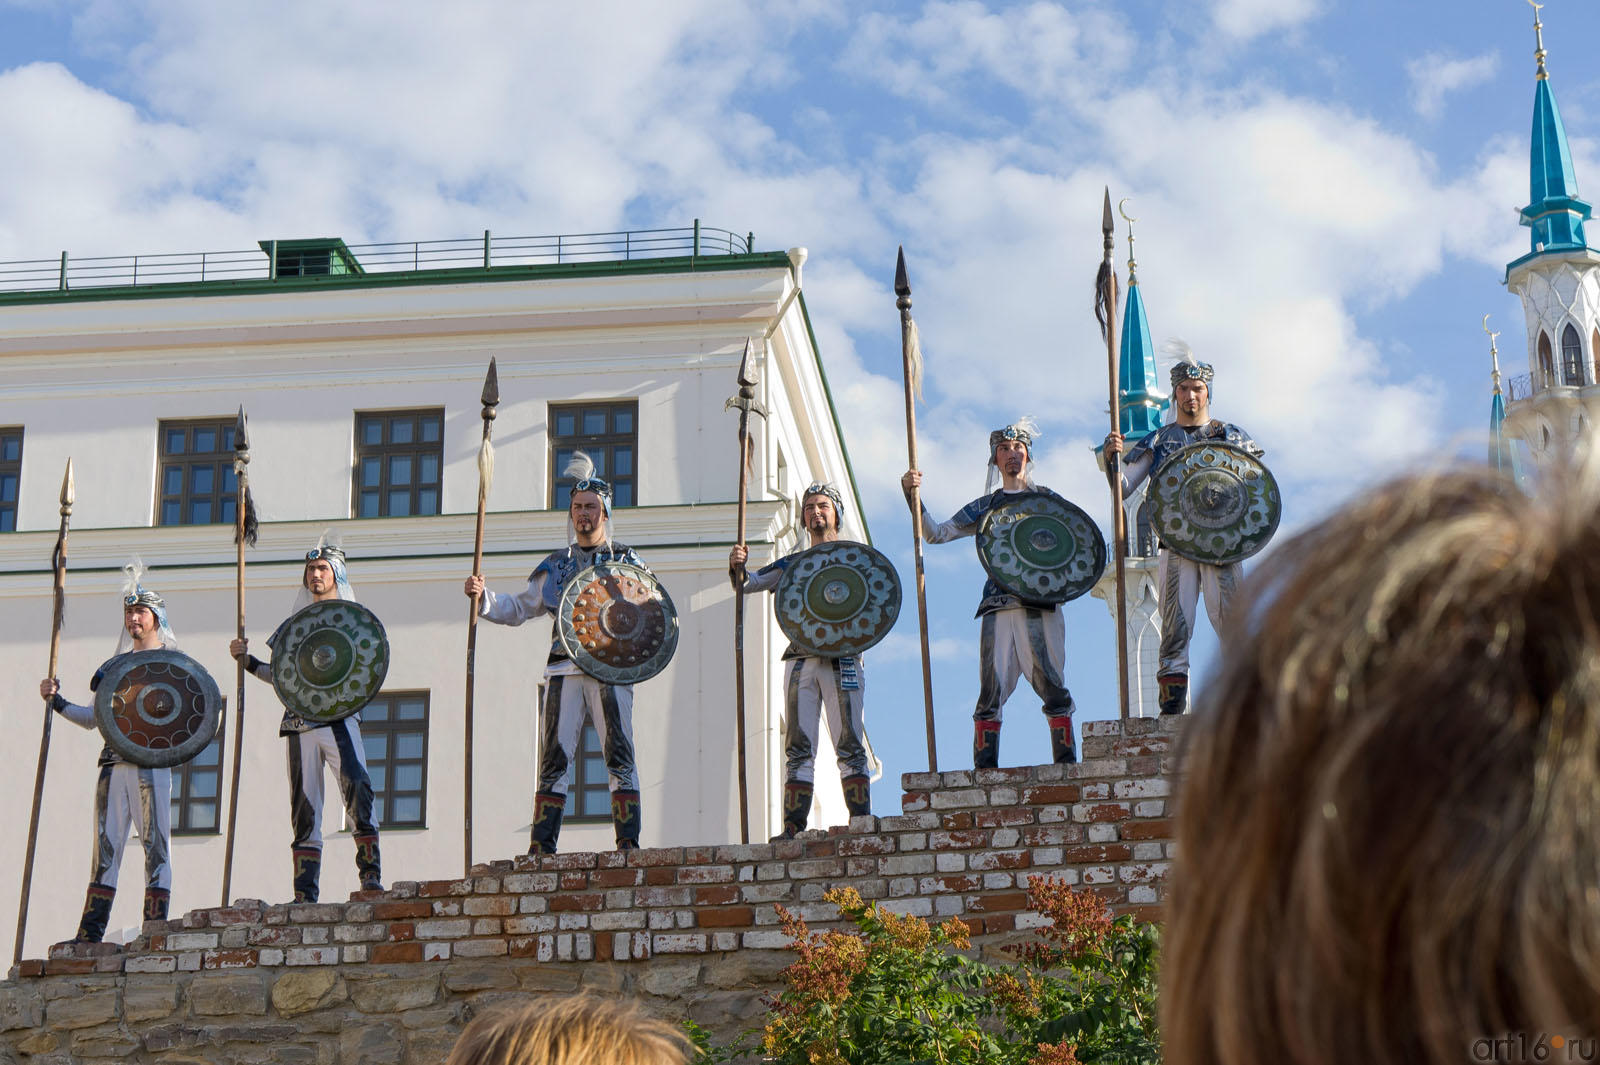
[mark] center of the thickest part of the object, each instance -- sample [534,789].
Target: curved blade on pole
[58,567]
[745,402]
[911,358]
[490,399]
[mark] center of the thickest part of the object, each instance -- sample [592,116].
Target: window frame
[385,451]
[1571,357]
[601,446]
[223,497]
[11,468]
[183,799]
[581,789]
[392,726]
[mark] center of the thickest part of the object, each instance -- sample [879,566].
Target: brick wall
[392,976]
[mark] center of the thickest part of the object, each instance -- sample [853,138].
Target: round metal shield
[838,598]
[329,660]
[157,708]
[1041,548]
[617,623]
[1214,503]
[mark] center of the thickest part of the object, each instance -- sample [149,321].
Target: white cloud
[1245,19]
[1269,223]
[1436,75]
[1039,50]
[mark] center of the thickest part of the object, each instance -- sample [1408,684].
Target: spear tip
[491,387]
[68,492]
[1106,224]
[240,443]
[902,284]
[747,368]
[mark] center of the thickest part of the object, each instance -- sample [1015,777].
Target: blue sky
[1326,192]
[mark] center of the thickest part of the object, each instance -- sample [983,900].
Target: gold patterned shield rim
[157,709]
[617,623]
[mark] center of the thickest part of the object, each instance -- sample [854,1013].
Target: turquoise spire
[1502,457]
[1554,213]
[1141,403]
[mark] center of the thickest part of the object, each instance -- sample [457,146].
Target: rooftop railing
[469,253]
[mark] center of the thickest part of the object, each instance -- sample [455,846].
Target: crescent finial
[1123,212]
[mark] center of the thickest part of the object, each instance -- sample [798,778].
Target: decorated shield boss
[1214,503]
[617,623]
[157,708]
[1041,548]
[838,598]
[329,660]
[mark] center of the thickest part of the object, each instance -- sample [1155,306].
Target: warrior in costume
[570,695]
[1181,581]
[1018,638]
[311,746]
[126,791]
[815,685]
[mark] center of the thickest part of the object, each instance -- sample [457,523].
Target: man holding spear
[311,746]
[570,694]
[815,684]
[1182,580]
[126,791]
[1018,639]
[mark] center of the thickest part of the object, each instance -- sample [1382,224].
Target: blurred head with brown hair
[1390,804]
[570,1030]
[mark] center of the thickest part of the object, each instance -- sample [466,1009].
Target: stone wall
[393,976]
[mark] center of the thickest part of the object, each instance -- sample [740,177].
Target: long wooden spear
[1105,305]
[746,404]
[58,564]
[490,400]
[244,533]
[911,357]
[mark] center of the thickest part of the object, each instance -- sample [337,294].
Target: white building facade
[362,391]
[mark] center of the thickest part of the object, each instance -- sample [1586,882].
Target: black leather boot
[1173,693]
[548,808]
[368,866]
[796,806]
[96,912]
[625,817]
[1062,749]
[307,873]
[986,745]
[857,795]
[156,901]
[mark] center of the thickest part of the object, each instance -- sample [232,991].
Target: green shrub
[898,991]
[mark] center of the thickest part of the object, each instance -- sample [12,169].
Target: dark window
[1571,357]
[589,794]
[197,484]
[1547,365]
[399,458]
[394,734]
[10,476]
[1144,544]
[195,788]
[608,433]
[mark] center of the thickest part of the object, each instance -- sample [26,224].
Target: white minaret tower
[1559,282]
